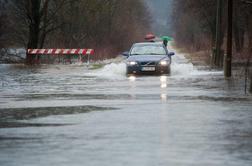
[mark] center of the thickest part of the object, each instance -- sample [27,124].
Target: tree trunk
[236,27]
[44,33]
[237,37]
[228,59]
[250,33]
[33,7]
[250,47]
[250,87]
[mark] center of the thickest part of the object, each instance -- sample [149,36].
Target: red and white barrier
[61,51]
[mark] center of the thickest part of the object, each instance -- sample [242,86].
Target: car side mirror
[126,53]
[171,53]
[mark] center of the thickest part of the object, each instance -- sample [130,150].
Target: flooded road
[71,116]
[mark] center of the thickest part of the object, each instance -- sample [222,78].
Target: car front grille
[148,63]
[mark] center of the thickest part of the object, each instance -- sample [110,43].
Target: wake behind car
[148,59]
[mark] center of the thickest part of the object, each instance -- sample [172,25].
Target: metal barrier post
[88,61]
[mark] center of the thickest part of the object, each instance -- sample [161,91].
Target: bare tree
[101,24]
[36,19]
[3,23]
[194,24]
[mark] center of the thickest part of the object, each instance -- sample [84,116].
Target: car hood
[144,58]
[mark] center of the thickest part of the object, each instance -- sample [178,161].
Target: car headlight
[132,63]
[163,63]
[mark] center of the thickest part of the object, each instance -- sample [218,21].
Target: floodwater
[69,116]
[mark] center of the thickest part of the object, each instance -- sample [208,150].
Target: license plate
[148,68]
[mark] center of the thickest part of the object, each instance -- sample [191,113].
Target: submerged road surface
[69,116]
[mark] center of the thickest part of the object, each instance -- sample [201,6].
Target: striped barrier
[61,51]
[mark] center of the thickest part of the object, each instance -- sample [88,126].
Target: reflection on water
[8,114]
[163,85]
[65,115]
[132,78]
[132,89]
[163,96]
[163,81]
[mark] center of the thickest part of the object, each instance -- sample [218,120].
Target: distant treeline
[109,26]
[194,24]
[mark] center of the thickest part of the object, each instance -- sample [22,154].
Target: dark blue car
[148,58]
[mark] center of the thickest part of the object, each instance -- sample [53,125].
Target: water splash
[182,69]
[116,71]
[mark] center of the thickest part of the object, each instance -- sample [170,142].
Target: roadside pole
[228,57]
[88,61]
[218,54]
[79,58]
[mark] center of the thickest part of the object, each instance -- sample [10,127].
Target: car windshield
[148,50]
